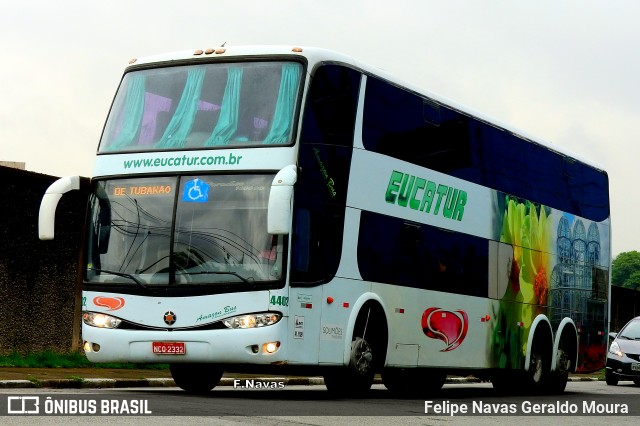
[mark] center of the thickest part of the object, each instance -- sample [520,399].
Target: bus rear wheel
[557,382]
[196,378]
[558,379]
[538,375]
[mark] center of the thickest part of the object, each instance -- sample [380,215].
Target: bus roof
[314,55]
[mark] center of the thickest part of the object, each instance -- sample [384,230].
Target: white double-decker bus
[295,211]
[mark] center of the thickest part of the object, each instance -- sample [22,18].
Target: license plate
[635,366]
[169,348]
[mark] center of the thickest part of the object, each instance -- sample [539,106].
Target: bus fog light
[253,320]
[90,347]
[270,347]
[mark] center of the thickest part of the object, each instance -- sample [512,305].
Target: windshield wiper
[216,273]
[120,274]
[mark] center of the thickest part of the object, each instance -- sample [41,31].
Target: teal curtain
[132,113]
[227,124]
[281,126]
[182,121]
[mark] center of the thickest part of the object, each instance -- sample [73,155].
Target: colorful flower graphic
[527,229]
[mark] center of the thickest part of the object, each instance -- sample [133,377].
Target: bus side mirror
[280,200]
[47,215]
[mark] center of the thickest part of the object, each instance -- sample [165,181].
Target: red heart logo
[114,303]
[448,326]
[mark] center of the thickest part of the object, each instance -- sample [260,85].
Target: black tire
[196,378]
[367,356]
[536,380]
[538,375]
[610,378]
[358,376]
[557,383]
[637,382]
[565,355]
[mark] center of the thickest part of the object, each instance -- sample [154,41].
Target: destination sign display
[142,190]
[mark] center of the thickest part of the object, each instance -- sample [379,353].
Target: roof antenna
[222,45]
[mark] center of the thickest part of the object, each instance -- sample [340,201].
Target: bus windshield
[204,106]
[182,230]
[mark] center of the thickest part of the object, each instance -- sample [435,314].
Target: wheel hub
[361,355]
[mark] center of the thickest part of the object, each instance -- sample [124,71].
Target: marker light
[252,320]
[95,319]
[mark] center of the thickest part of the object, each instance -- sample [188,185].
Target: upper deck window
[230,104]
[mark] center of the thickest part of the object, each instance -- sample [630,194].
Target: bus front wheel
[195,378]
[357,377]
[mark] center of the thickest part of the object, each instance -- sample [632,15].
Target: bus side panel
[338,306]
[436,329]
[305,306]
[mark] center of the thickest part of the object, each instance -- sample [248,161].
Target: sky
[566,72]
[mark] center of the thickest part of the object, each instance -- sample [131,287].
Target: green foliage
[50,359]
[45,359]
[625,270]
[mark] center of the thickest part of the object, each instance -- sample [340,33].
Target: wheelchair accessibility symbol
[196,191]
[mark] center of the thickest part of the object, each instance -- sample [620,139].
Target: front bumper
[622,368]
[228,346]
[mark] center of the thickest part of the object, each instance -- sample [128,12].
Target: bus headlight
[95,319]
[253,320]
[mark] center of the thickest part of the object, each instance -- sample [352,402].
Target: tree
[625,270]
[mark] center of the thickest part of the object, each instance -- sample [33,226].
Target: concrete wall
[39,281]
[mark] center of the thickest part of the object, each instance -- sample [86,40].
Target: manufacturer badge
[169,318]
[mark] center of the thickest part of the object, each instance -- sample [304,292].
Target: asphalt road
[313,405]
